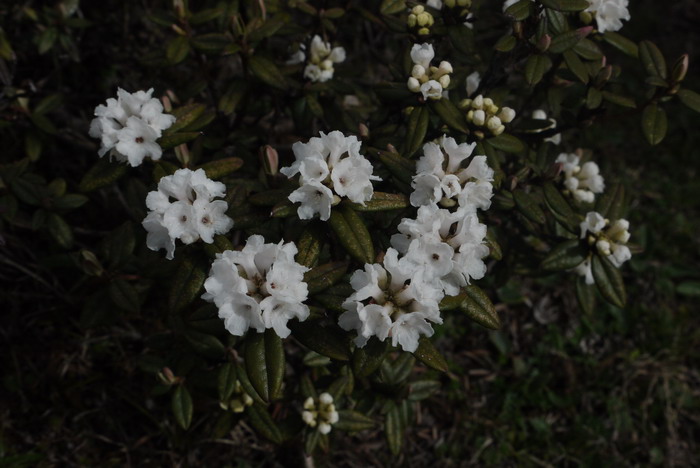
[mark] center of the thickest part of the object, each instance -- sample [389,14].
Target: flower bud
[603,247]
[544,42]
[444,81]
[418,9]
[506,115]
[270,160]
[479,117]
[586,17]
[499,130]
[413,85]
[363,131]
[423,31]
[411,21]
[445,67]
[417,71]
[680,68]
[327,64]
[478,102]
[493,123]
[450,3]
[465,103]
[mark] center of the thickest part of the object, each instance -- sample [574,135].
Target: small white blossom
[329,166]
[472,83]
[260,286]
[609,13]
[430,81]
[581,181]
[391,301]
[441,177]
[129,126]
[183,208]
[320,413]
[609,239]
[322,57]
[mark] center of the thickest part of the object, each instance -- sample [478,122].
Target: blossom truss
[330,167]
[129,126]
[184,208]
[441,177]
[322,57]
[583,182]
[391,301]
[609,239]
[320,413]
[443,247]
[425,78]
[609,13]
[259,287]
[483,112]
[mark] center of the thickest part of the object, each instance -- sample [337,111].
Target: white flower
[583,182]
[472,83]
[320,412]
[422,54]
[329,166]
[321,59]
[391,301]
[129,126]
[441,177]
[183,208]
[609,239]
[609,13]
[259,287]
[431,90]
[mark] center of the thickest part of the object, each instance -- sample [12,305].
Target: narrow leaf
[654,124]
[182,406]
[428,355]
[609,281]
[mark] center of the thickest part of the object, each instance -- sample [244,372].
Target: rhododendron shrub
[338,207]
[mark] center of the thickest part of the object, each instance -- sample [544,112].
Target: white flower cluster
[239,400]
[482,112]
[193,214]
[426,79]
[609,13]
[129,126]
[320,413]
[464,5]
[420,20]
[441,178]
[321,59]
[441,250]
[609,238]
[581,181]
[329,167]
[391,300]
[260,286]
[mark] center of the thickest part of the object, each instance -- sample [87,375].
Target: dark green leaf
[428,355]
[264,362]
[352,234]
[576,66]
[175,139]
[654,124]
[566,5]
[353,421]
[422,389]
[330,341]
[267,71]
[611,204]
[309,247]
[479,308]
[212,43]
[262,422]
[507,143]
[390,7]
[182,406]
[226,381]
[382,201]
[585,294]
[417,128]
[186,284]
[564,41]
[690,99]
[565,256]
[205,344]
[559,207]
[528,206]
[221,167]
[402,168]
[622,43]
[100,175]
[124,295]
[324,276]
[520,10]
[652,59]
[60,230]
[609,281]
[536,67]
[367,360]
[450,115]
[177,50]
[620,100]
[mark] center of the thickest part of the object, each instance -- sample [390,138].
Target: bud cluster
[320,412]
[425,78]
[482,112]
[238,401]
[609,238]
[420,20]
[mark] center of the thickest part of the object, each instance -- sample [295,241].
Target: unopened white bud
[411,21]
[603,247]
[445,67]
[499,130]
[488,102]
[324,428]
[444,81]
[479,117]
[413,85]
[309,404]
[327,64]
[506,115]
[478,102]
[493,123]
[418,9]
[417,71]
[325,398]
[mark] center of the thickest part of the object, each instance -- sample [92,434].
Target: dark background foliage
[551,387]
